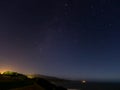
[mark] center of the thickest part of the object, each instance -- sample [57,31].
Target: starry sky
[78,39]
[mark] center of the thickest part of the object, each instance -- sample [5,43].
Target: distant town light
[83,81]
[30,76]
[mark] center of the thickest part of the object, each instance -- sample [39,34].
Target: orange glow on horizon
[2,70]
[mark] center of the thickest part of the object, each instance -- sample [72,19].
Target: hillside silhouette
[17,81]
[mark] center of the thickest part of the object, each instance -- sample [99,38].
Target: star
[66,4]
[91,6]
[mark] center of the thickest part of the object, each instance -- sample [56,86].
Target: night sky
[77,39]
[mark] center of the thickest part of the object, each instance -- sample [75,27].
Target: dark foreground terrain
[17,81]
